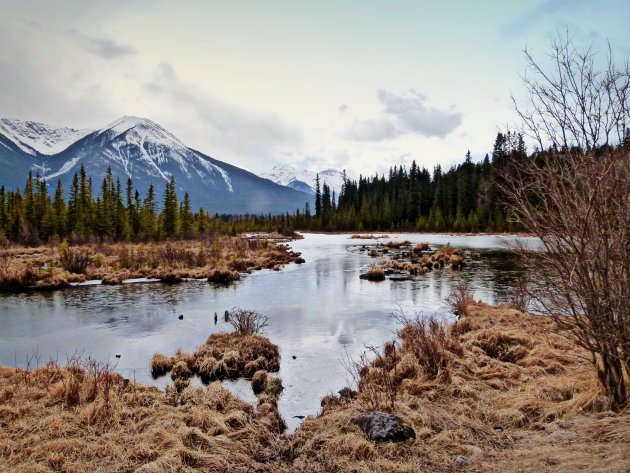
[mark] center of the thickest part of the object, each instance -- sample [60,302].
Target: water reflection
[319,311]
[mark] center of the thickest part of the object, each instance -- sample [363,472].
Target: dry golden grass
[51,420]
[397,244]
[374,274]
[367,237]
[504,388]
[506,395]
[220,260]
[223,355]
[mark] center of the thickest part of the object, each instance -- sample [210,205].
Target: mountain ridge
[140,149]
[304,180]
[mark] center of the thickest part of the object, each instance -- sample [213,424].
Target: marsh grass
[496,367]
[84,417]
[220,259]
[374,274]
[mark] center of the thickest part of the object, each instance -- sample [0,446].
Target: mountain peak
[38,138]
[139,129]
[304,180]
[127,122]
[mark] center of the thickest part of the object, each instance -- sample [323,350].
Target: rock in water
[384,427]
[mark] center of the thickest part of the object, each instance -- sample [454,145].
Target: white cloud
[403,114]
[237,135]
[105,48]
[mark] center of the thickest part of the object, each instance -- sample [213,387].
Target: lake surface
[321,313]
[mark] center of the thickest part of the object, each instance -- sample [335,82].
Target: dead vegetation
[496,391]
[223,356]
[479,395]
[75,420]
[374,274]
[247,322]
[401,258]
[220,259]
[368,237]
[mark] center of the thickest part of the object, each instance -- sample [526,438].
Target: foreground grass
[221,259]
[495,392]
[52,421]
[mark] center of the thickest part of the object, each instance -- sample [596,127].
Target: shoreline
[385,232]
[508,392]
[221,260]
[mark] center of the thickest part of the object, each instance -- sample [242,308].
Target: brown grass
[223,355]
[496,368]
[160,364]
[397,244]
[221,260]
[52,421]
[509,396]
[368,237]
[420,247]
[398,258]
[374,274]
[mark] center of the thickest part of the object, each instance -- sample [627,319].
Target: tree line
[466,197]
[115,213]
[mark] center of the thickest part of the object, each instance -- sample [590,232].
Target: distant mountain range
[143,150]
[304,181]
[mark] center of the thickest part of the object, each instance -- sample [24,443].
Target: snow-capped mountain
[304,181]
[38,138]
[143,150]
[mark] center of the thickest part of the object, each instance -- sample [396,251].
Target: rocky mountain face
[304,181]
[147,153]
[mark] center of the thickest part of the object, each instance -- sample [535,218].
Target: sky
[355,85]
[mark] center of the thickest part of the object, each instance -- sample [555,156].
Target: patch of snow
[213,167]
[38,138]
[89,282]
[286,174]
[67,166]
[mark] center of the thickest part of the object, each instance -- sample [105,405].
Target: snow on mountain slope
[290,176]
[141,146]
[38,138]
[142,150]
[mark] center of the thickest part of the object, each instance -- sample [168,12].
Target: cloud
[406,114]
[244,134]
[343,108]
[416,117]
[102,47]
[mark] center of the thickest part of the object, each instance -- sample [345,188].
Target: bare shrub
[248,322]
[74,260]
[374,376]
[458,300]
[518,296]
[431,342]
[575,198]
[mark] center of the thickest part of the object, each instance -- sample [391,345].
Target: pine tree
[170,210]
[186,217]
[318,197]
[60,211]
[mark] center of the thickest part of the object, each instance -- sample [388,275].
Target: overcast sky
[360,85]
